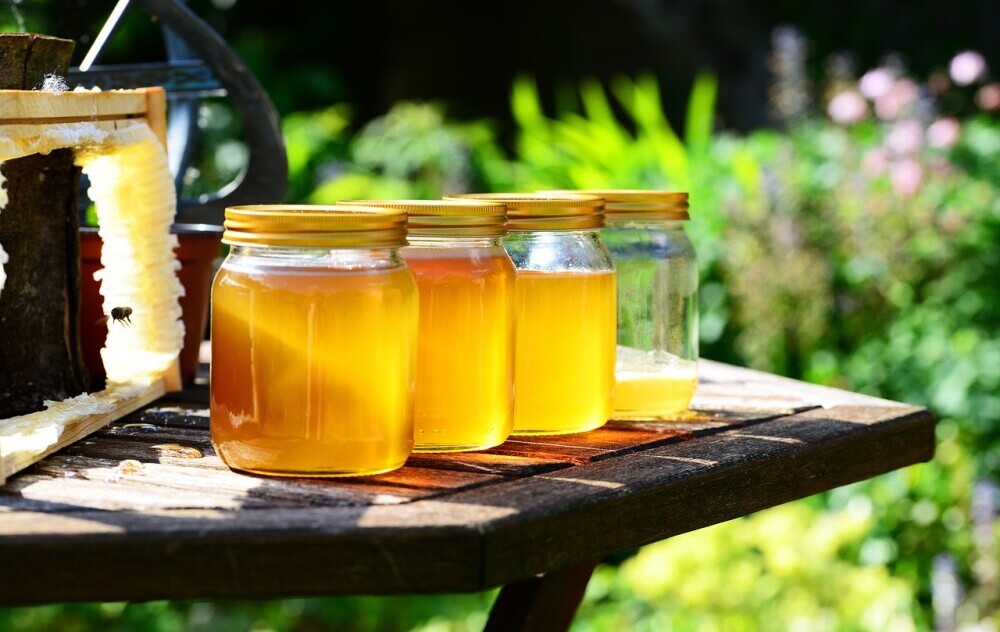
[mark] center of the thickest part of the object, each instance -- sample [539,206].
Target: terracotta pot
[200,246]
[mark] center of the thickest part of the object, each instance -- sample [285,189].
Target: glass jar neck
[340,258]
[453,241]
[559,250]
[657,224]
[553,234]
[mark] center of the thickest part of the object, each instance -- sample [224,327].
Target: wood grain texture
[307,555]
[617,504]
[39,358]
[130,468]
[40,334]
[29,438]
[28,107]
[156,113]
[152,513]
[727,387]
[13,58]
[46,56]
[25,59]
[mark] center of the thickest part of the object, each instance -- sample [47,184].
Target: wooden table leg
[545,603]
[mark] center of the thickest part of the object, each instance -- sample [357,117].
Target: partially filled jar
[657,365]
[564,312]
[465,373]
[314,324]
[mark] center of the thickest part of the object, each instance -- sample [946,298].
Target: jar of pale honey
[465,360]
[314,325]
[564,312]
[657,366]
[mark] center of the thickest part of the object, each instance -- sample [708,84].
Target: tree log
[40,350]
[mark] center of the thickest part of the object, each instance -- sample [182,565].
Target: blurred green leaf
[700,113]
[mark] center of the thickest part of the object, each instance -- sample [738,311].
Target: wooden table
[146,510]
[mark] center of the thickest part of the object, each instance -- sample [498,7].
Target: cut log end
[39,307]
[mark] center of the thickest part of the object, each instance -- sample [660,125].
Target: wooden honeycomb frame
[112,115]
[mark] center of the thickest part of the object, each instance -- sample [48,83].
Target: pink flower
[875,162]
[940,167]
[906,137]
[988,97]
[847,108]
[900,96]
[906,176]
[876,82]
[967,67]
[944,133]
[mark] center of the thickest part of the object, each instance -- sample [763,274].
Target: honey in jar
[464,390]
[564,313]
[657,362]
[565,351]
[314,321]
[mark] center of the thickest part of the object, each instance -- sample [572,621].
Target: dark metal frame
[200,64]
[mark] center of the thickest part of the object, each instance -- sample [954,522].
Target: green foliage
[595,149]
[826,254]
[313,142]
[700,114]
[818,261]
[438,613]
[790,567]
[411,152]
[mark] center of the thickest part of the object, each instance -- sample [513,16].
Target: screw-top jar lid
[447,218]
[537,211]
[337,226]
[633,204]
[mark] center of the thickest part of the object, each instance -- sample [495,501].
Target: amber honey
[464,388]
[313,369]
[564,311]
[564,355]
[657,267]
[653,395]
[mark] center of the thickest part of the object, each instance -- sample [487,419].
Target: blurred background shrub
[853,247]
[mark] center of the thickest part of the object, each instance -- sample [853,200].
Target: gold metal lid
[633,204]
[537,211]
[337,226]
[459,218]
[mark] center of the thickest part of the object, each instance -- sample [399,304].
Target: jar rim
[305,225]
[638,203]
[460,218]
[535,211]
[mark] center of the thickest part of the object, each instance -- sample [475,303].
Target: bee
[121,315]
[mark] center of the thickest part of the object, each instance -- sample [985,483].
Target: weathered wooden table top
[146,510]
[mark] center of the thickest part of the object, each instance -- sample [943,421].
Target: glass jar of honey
[657,365]
[564,312]
[465,360]
[314,325]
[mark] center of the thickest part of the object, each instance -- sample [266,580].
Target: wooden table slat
[150,512]
[685,486]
